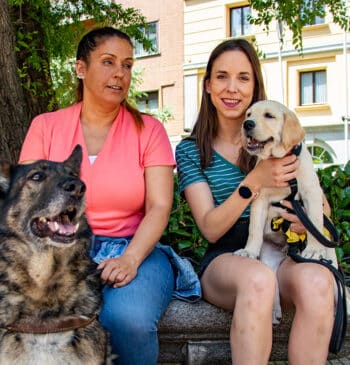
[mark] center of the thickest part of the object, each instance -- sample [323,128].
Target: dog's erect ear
[74,160]
[5,173]
[292,133]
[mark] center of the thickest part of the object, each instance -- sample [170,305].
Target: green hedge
[335,182]
[183,235]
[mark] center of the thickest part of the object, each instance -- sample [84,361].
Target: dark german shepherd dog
[50,291]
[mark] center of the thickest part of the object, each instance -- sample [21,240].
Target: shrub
[335,182]
[182,232]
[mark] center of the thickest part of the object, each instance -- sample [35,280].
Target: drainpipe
[280,44]
[346,117]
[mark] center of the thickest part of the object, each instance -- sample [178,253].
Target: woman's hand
[122,270]
[118,271]
[274,172]
[295,223]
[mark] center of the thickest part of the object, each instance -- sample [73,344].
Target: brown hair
[206,126]
[88,44]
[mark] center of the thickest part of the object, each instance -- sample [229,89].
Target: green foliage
[296,14]
[51,51]
[136,81]
[182,232]
[335,182]
[164,114]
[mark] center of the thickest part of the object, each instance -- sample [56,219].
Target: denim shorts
[234,239]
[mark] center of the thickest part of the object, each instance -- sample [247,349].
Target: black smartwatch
[246,193]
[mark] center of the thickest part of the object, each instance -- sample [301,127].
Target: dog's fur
[46,273]
[272,130]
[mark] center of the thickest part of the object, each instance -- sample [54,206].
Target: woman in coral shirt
[128,170]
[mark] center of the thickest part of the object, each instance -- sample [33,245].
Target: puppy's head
[44,201]
[270,130]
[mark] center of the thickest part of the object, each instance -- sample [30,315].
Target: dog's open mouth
[254,145]
[59,228]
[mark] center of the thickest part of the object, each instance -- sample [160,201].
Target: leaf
[184,244]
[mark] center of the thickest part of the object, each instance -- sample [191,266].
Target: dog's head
[43,202]
[271,130]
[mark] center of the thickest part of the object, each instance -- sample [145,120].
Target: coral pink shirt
[115,195]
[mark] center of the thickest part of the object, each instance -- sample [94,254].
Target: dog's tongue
[63,229]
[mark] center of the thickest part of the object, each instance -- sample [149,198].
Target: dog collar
[54,325]
[296,150]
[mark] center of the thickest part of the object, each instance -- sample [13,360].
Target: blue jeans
[131,313]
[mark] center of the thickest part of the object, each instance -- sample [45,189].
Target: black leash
[340,320]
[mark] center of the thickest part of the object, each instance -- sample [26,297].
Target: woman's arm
[159,196]
[213,221]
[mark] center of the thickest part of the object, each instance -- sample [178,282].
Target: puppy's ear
[292,133]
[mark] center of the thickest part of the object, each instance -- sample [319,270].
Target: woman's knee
[258,285]
[313,286]
[128,320]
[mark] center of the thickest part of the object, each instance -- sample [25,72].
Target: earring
[80,76]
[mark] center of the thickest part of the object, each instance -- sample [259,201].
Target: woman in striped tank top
[219,181]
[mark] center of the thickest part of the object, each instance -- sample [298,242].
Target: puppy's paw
[314,253]
[247,253]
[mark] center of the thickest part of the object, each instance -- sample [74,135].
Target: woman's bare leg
[246,287]
[309,288]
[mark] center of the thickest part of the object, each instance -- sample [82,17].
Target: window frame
[139,46]
[319,145]
[318,19]
[147,100]
[314,84]
[243,33]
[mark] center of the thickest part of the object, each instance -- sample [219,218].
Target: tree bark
[14,118]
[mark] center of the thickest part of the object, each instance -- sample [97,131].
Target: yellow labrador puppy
[272,130]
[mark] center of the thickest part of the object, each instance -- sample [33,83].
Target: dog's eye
[37,176]
[269,115]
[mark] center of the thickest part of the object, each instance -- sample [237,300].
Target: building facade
[314,85]
[161,68]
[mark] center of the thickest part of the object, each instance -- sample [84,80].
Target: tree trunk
[14,115]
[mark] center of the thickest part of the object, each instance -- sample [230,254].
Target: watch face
[244,192]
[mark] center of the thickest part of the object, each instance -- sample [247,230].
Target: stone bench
[198,334]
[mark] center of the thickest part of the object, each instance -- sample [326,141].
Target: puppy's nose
[74,187]
[248,124]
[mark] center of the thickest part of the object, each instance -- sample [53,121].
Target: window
[319,19]
[321,152]
[313,87]
[148,103]
[151,33]
[239,23]
[320,155]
